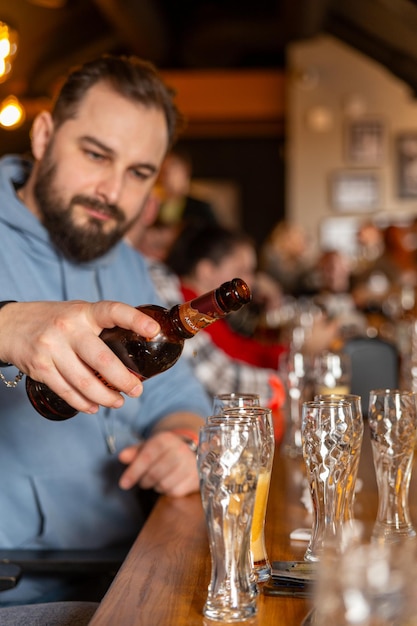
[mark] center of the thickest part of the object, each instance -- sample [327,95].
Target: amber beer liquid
[147,357]
[338,390]
[257,543]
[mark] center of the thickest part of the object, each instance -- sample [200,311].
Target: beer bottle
[147,357]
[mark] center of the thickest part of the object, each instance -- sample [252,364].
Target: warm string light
[12,113]
[8,49]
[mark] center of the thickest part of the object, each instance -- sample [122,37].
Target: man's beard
[78,243]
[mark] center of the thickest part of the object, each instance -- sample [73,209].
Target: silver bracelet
[11,384]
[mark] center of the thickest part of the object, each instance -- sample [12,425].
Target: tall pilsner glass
[327,436]
[263,417]
[358,428]
[228,464]
[392,420]
[295,369]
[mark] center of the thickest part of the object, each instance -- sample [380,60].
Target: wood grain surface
[164,579]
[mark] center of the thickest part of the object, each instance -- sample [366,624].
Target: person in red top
[236,345]
[204,256]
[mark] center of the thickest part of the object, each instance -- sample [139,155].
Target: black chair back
[375,365]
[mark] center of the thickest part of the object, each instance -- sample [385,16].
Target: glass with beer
[263,417]
[332,373]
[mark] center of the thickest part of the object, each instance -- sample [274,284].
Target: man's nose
[109,187]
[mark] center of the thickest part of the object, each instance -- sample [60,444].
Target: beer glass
[358,428]
[332,373]
[234,400]
[263,417]
[228,465]
[295,369]
[392,420]
[367,585]
[327,438]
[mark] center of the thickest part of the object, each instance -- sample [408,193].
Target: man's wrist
[2,304]
[190,437]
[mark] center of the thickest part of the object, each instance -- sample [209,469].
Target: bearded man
[67,274]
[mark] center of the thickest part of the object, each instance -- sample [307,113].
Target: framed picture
[365,142]
[406,149]
[355,192]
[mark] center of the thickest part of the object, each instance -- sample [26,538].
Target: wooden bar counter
[164,579]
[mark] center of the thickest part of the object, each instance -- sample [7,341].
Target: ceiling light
[319,119]
[12,113]
[8,49]
[4,47]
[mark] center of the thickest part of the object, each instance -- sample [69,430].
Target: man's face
[97,171]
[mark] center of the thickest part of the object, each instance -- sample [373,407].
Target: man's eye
[95,156]
[140,175]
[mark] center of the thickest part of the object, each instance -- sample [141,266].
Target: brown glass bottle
[148,357]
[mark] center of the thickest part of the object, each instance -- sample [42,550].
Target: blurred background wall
[297,110]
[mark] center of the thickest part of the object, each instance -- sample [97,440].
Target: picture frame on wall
[353,191]
[406,156]
[365,142]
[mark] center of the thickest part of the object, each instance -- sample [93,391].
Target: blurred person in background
[174,207]
[177,204]
[330,287]
[203,256]
[286,256]
[395,268]
[151,237]
[369,246]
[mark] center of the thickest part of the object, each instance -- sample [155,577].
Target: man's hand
[164,463]
[58,343]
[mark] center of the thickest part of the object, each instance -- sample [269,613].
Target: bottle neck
[201,311]
[194,315]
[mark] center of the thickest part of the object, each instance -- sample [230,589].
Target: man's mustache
[112,210]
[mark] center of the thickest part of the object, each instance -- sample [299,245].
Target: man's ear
[41,134]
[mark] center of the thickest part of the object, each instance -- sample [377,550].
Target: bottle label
[200,312]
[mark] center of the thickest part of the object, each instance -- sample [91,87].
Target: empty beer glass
[327,437]
[367,585]
[358,428]
[296,371]
[392,420]
[228,465]
[234,400]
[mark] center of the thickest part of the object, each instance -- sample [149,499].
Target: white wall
[343,83]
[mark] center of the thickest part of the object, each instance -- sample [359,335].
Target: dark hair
[131,77]
[198,241]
